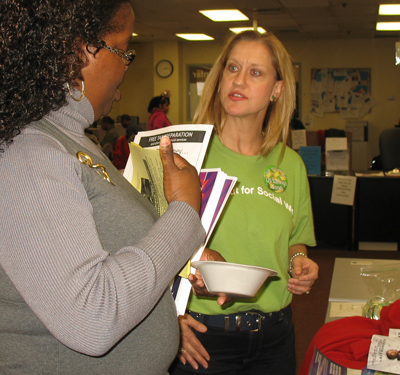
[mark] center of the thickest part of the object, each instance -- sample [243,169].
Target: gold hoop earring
[82,92]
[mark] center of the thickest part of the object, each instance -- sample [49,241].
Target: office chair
[389,148]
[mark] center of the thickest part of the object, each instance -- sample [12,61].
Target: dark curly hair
[40,52]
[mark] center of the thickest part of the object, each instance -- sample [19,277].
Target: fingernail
[164,141]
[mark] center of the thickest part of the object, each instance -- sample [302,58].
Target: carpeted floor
[309,311]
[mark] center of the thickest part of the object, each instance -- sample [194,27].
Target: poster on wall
[343,91]
[197,75]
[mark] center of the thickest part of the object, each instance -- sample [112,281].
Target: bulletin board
[196,76]
[343,91]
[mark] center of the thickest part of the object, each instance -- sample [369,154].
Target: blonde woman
[250,97]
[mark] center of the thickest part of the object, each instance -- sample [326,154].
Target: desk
[347,283]
[375,221]
[377,211]
[333,223]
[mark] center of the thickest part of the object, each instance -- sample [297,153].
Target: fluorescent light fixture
[224,15]
[389,9]
[195,36]
[238,30]
[388,26]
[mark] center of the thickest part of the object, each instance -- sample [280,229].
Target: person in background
[249,96]
[158,109]
[112,134]
[127,123]
[85,260]
[89,133]
[121,148]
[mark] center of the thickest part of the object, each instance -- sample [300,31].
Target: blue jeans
[268,351]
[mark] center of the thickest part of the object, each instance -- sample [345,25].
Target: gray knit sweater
[85,265]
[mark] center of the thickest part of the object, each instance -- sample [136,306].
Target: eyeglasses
[127,57]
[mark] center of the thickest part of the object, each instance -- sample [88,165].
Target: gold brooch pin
[100,168]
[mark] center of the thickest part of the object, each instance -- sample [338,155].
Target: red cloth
[121,152]
[346,341]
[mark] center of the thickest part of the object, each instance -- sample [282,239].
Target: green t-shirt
[268,212]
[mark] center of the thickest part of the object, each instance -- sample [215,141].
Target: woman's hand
[191,350]
[198,285]
[304,272]
[181,181]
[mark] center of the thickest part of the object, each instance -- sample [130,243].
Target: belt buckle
[259,320]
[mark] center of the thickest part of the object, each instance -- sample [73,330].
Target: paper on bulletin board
[335,143]
[343,191]
[299,139]
[311,156]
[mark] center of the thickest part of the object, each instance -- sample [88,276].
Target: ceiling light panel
[388,26]
[195,36]
[224,15]
[389,9]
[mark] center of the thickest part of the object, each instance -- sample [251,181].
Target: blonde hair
[279,113]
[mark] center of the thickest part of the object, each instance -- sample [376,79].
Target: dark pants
[268,351]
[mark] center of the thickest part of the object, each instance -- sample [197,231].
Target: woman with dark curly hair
[85,260]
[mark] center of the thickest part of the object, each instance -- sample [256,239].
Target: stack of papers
[216,188]
[145,172]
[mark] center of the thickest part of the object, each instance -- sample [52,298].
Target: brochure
[322,365]
[384,354]
[145,172]
[190,141]
[216,188]
[144,168]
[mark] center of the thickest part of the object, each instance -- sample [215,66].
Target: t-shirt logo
[275,179]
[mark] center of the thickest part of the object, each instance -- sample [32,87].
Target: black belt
[239,322]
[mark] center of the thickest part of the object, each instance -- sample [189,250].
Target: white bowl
[236,280]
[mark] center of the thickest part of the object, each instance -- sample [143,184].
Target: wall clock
[164,68]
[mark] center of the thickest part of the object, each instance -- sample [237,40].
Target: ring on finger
[182,349]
